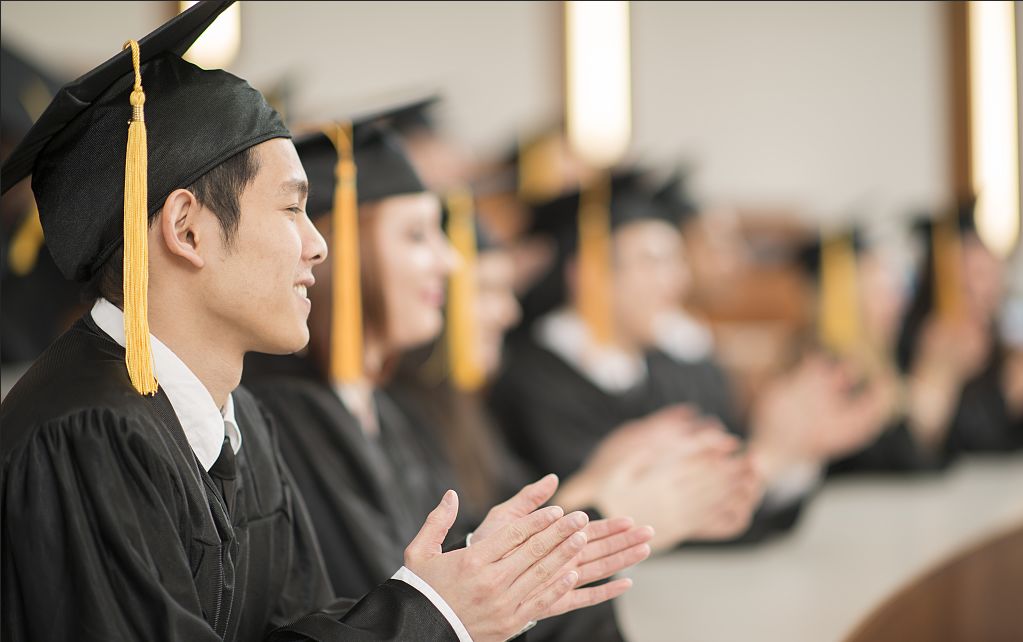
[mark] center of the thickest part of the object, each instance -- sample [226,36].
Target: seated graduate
[354,454]
[562,391]
[672,470]
[957,386]
[143,495]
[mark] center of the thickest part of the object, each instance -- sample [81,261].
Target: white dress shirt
[205,427]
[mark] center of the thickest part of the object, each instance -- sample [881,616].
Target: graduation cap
[583,221]
[347,164]
[674,196]
[195,118]
[413,117]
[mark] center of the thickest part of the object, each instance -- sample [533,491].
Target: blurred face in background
[983,278]
[497,309]
[412,260]
[650,278]
[405,259]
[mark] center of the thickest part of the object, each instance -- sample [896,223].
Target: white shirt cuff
[418,583]
[793,484]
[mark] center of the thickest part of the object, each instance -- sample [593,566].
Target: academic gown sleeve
[95,530]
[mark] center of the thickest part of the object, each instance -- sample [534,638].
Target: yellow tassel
[466,370]
[839,309]
[947,254]
[594,274]
[26,244]
[137,348]
[346,349]
[538,172]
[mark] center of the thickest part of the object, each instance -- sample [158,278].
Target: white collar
[682,337]
[611,369]
[204,424]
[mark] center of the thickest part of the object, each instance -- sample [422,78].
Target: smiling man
[143,495]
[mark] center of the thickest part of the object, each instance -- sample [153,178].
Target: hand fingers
[539,606]
[611,564]
[513,535]
[540,558]
[530,497]
[431,536]
[589,596]
[606,527]
[598,548]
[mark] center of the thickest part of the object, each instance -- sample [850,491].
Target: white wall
[821,106]
[824,105]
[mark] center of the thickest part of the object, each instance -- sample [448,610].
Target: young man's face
[257,285]
[650,277]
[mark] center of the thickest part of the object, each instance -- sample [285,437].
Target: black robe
[368,496]
[112,531]
[982,422]
[554,417]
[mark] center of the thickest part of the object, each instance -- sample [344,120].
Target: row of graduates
[511,385]
[382,413]
[144,493]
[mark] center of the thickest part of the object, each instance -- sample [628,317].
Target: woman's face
[650,277]
[497,309]
[414,260]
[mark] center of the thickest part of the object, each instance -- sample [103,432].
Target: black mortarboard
[113,144]
[195,120]
[348,164]
[384,169]
[631,200]
[674,195]
[413,117]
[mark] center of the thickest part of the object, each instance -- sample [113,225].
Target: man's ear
[180,226]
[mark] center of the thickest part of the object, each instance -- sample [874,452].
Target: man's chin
[285,345]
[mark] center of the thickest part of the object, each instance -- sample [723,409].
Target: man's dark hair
[218,189]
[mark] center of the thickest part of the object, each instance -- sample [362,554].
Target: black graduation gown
[427,405]
[369,496]
[553,416]
[982,423]
[111,529]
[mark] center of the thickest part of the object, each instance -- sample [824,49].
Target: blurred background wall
[825,109]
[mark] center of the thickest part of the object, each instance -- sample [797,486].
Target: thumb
[429,540]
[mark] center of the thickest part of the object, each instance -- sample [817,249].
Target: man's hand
[611,545]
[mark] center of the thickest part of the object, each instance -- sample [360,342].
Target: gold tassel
[947,255]
[839,309]
[538,173]
[137,348]
[346,349]
[466,369]
[594,275]
[26,244]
